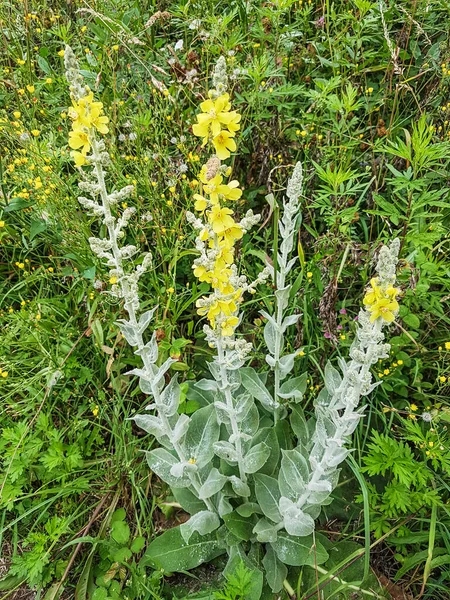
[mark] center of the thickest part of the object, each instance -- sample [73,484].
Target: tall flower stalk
[88,150]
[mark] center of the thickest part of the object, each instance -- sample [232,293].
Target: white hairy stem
[129,307]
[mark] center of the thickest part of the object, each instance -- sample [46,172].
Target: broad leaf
[276,571]
[170,552]
[203,522]
[202,433]
[268,496]
[299,551]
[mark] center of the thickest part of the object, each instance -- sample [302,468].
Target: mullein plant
[248,466]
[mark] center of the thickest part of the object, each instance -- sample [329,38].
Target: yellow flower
[385,309]
[227,326]
[214,114]
[78,158]
[381,303]
[224,144]
[220,219]
[218,191]
[201,203]
[79,139]
[230,235]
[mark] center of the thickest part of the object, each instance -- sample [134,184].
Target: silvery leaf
[296,522]
[256,457]
[150,350]
[177,469]
[145,319]
[146,386]
[268,496]
[161,462]
[295,471]
[270,361]
[290,264]
[170,397]
[269,318]
[150,424]
[224,507]
[288,321]
[254,385]
[203,522]
[163,370]
[276,571]
[332,378]
[203,432]
[180,429]
[286,364]
[213,484]
[270,336]
[128,332]
[282,295]
[207,385]
[239,486]
[226,451]
[294,387]
[265,531]
[244,403]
